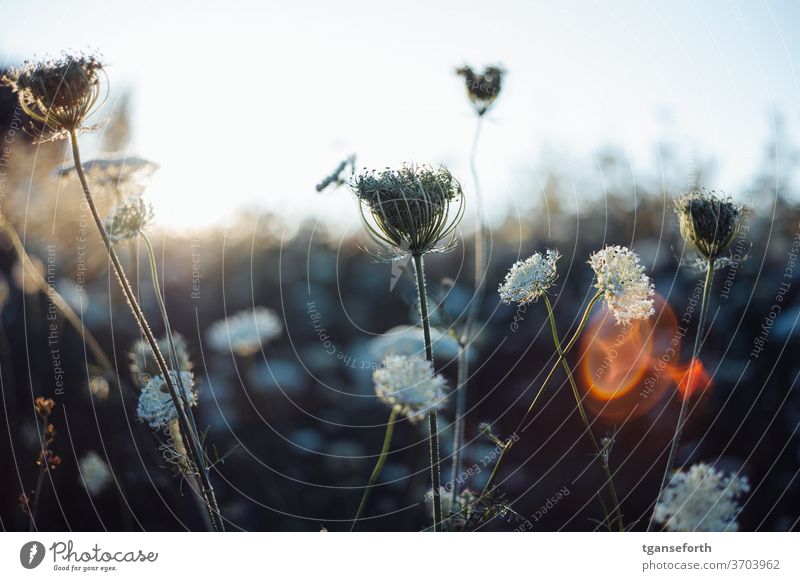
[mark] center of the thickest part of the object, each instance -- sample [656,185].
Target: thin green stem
[197,456]
[599,452]
[673,449]
[387,442]
[436,479]
[490,482]
[472,314]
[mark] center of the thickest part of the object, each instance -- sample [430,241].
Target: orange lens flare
[627,369]
[692,379]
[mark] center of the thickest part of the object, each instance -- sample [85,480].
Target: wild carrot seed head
[58,93]
[413,210]
[708,221]
[482,88]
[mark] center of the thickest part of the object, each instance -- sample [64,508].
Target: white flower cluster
[155,402]
[126,175]
[529,279]
[128,220]
[244,332]
[701,499]
[409,382]
[627,290]
[95,473]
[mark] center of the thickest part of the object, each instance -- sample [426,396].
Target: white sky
[253,103]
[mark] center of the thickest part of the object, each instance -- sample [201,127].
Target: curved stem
[387,442]
[196,454]
[601,454]
[490,482]
[472,314]
[673,449]
[69,314]
[432,423]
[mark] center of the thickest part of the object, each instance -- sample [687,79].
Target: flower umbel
[58,93]
[244,332]
[701,499]
[409,382]
[128,220]
[482,88]
[156,407]
[627,290]
[143,362]
[95,473]
[708,221]
[410,209]
[126,176]
[529,279]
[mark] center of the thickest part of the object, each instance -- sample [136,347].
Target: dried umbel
[58,93]
[414,210]
[701,499]
[529,279]
[708,221]
[482,88]
[43,406]
[337,178]
[128,220]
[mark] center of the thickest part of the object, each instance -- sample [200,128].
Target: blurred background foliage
[302,421]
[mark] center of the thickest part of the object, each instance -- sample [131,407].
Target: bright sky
[253,103]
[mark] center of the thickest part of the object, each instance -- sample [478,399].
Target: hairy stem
[197,456]
[387,441]
[436,479]
[673,449]
[601,454]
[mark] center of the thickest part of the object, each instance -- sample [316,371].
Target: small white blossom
[701,499]
[244,332]
[95,473]
[529,279]
[627,290]
[128,220]
[409,382]
[126,175]
[155,402]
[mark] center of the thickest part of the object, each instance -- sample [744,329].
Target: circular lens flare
[627,369]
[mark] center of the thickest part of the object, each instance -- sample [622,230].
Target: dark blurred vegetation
[303,424]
